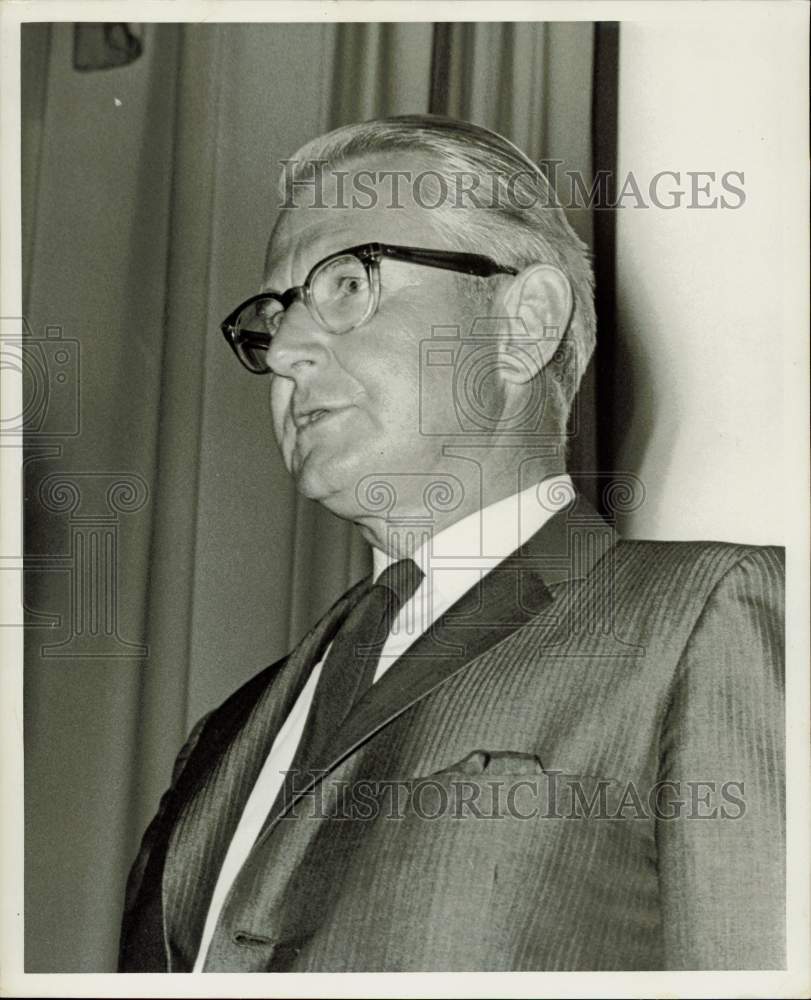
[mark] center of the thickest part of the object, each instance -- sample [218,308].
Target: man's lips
[316,416]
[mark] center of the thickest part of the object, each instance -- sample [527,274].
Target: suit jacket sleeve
[722,877]
[138,870]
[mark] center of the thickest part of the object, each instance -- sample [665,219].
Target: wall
[703,346]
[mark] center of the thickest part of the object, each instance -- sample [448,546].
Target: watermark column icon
[409,504]
[382,493]
[45,417]
[590,542]
[40,407]
[94,503]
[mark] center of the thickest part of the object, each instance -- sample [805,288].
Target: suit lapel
[213,790]
[511,596]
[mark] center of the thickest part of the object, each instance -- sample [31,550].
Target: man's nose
[298,345]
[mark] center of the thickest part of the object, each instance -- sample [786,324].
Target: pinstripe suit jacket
[580,766]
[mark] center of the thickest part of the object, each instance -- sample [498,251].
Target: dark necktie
[349,670]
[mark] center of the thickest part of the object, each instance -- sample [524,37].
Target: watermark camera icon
[466,368]
[49,367]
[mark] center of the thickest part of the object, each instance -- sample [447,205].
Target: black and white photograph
[405,482]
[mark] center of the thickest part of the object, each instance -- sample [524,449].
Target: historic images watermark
[92,502]
[48,365]
[548,795]
[316,184]
[457,365]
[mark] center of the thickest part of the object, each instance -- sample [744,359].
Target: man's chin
[329,484]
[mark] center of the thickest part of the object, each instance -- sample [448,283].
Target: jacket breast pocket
[515,801]
[495,763]
[486,785]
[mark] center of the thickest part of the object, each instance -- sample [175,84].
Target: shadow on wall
[636,404]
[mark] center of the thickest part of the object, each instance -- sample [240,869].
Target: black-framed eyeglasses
[341,291]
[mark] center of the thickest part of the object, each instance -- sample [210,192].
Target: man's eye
[272,320]
[270,317]
[349,285]
[340,281]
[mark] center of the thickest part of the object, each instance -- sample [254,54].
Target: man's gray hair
[512,214]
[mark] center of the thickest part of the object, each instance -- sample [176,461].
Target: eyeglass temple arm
[449,260]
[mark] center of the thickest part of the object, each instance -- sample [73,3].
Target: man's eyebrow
[306,247]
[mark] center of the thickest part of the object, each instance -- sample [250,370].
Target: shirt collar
[485,537]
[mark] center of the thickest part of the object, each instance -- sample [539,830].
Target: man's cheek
[278,407]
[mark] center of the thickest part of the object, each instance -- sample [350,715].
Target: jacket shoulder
[660,589]
[704,562]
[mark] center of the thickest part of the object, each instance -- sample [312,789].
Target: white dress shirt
[453,561]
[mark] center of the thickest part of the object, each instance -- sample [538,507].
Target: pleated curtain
[148,196]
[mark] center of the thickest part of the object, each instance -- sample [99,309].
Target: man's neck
[412,525]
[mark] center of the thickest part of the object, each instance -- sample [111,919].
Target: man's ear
[539,300]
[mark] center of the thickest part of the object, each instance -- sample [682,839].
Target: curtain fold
[181,391]
[378,69]
[149,193]
[532,82]
[96,238]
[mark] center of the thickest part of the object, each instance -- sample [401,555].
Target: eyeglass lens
[340,291]
[254,329]
[340,296]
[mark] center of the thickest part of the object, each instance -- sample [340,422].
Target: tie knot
[402,579]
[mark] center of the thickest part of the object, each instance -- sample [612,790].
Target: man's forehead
[364,204]
[306,232]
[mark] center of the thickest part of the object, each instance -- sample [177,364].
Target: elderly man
[524,743]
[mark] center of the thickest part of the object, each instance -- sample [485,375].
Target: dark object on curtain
[105,46]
